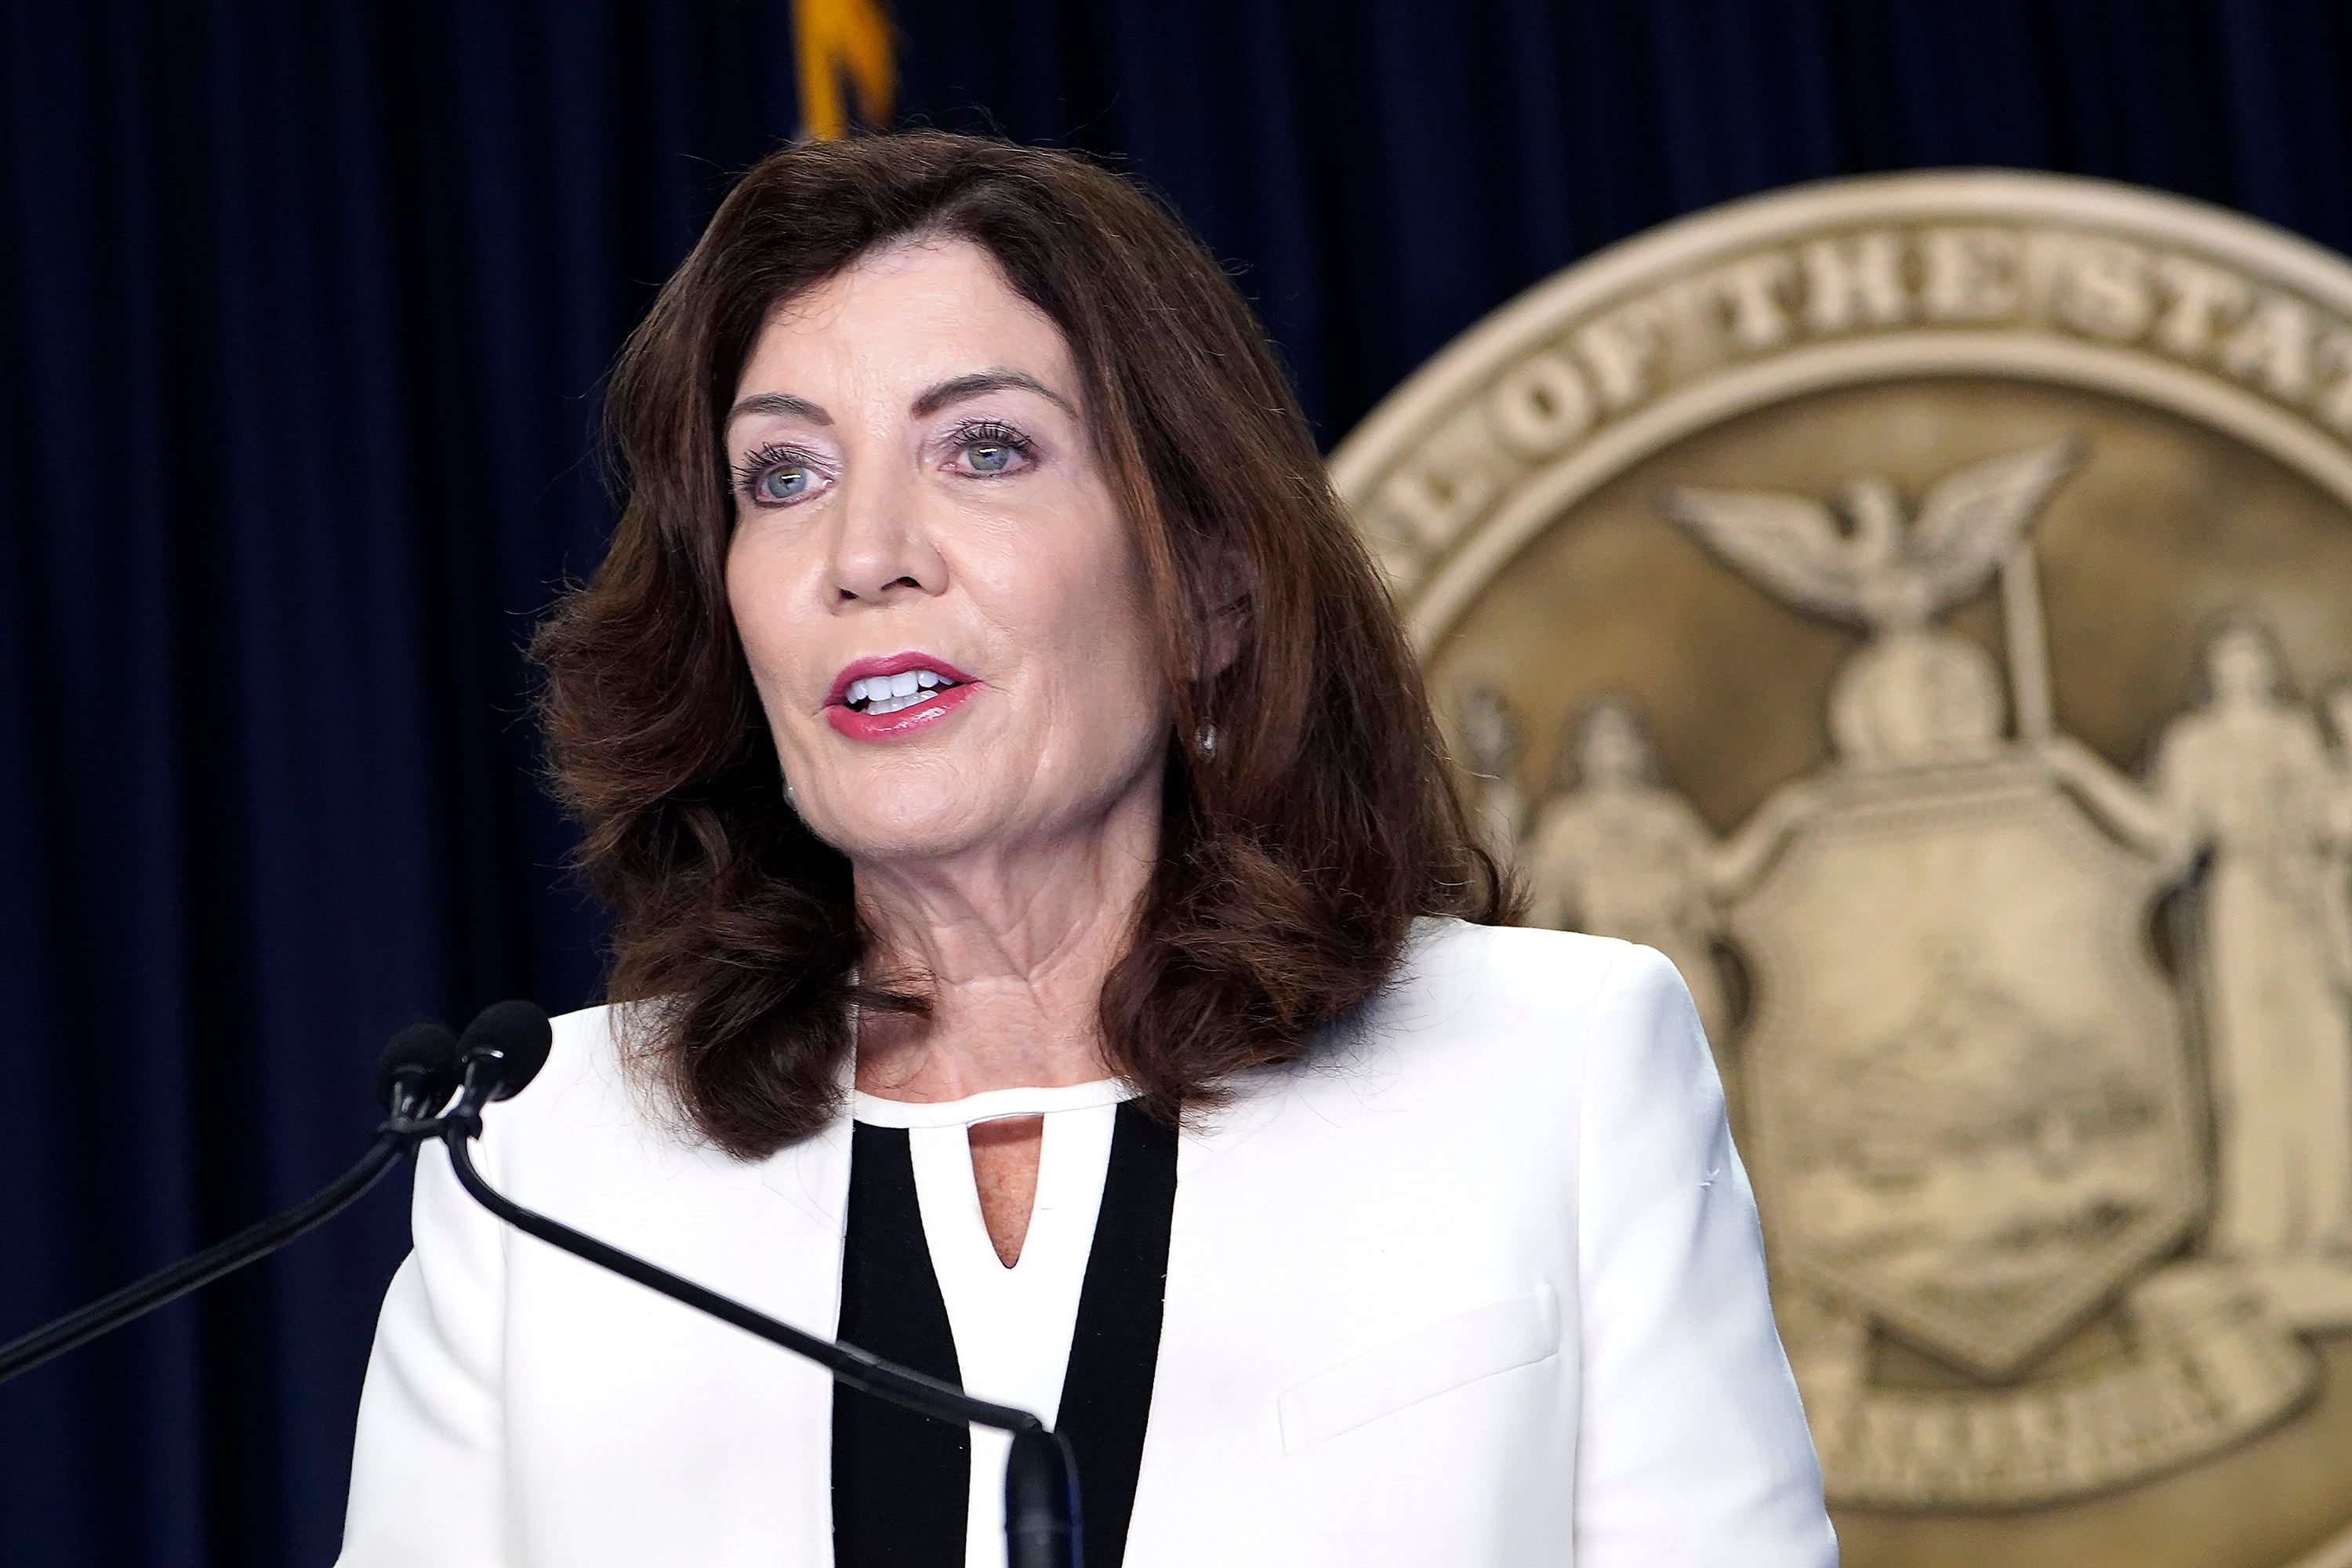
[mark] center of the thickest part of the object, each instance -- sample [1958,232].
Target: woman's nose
[881,547]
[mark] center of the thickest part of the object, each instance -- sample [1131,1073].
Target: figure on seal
[1490,750]
[1618,853]
[2244,781]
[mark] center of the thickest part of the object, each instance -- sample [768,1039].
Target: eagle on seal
[1914,694]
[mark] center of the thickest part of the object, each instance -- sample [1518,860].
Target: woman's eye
[786,482]
[777,476]
[986,448]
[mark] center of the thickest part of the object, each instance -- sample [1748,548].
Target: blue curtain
[303,309]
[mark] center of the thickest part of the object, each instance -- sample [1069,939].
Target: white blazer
[1481,1285]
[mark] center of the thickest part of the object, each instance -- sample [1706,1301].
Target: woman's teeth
[879,694]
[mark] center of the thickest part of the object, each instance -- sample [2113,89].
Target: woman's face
[942,610]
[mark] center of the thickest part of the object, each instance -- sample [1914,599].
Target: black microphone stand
[1041,1497]
[1041,1493]
[397,1135]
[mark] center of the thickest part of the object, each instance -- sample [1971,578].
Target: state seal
[1921,607]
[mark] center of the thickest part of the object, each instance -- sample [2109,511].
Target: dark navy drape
[303,308]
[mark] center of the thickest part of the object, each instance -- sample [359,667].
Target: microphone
[501,1052]
[417,1072]
[503,1049]
[416,1075]
[499,1055]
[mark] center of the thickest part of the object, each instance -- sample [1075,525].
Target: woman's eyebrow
[779,402]
[985,381]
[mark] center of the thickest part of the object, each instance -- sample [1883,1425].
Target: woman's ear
[1226,594]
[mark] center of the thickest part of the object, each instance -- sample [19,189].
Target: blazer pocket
[1422,1364]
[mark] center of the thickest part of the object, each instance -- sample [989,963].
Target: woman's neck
[1012,943]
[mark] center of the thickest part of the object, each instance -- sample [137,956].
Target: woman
[1045,948]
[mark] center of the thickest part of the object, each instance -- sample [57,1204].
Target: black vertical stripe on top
[1114,1351]
[901,1482]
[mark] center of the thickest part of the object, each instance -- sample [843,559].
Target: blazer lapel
[806,1189]
[1185,1502]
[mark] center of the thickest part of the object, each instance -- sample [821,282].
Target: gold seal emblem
[1921,607]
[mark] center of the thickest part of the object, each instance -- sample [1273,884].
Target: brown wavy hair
[1295,851]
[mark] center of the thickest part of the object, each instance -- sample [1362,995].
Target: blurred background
[303,313]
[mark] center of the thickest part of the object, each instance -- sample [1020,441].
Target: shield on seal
[1982,1153]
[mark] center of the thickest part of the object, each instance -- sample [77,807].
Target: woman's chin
[910,831]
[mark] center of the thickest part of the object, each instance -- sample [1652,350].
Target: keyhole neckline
[993,1105]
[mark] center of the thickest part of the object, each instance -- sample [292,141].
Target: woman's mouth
[875,695]
[883,699]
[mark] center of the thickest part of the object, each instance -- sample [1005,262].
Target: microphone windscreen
[427,1049]
[517,1030]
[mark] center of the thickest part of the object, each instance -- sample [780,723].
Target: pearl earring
[1205,741]
[791,797]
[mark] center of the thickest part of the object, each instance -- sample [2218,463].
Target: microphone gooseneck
[416,1075]
[857,1368]
[499,1053]
[1041,1494]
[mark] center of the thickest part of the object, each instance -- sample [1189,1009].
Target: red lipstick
[930,707]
